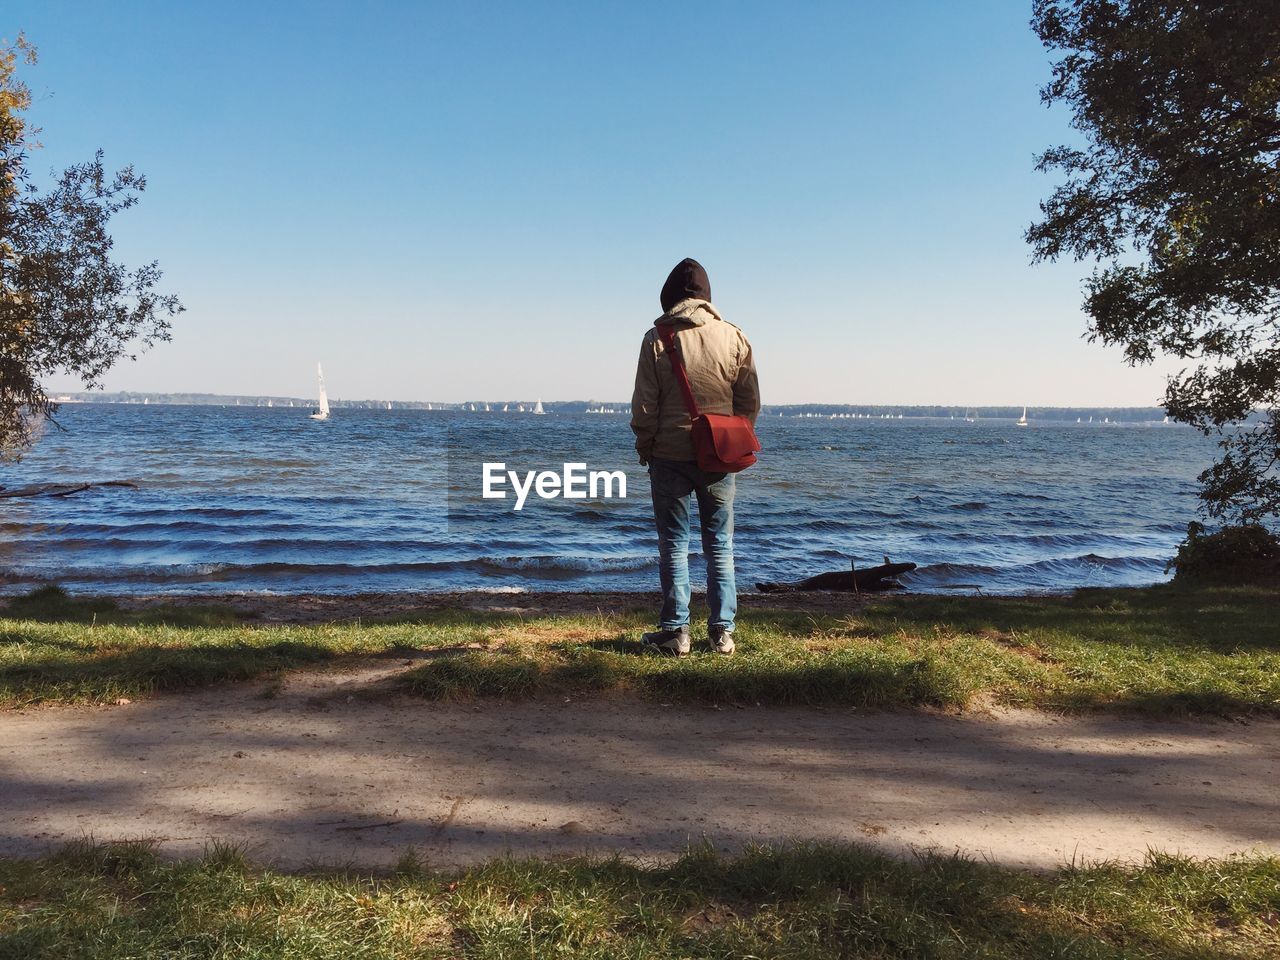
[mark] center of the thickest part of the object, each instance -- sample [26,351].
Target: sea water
[264,499]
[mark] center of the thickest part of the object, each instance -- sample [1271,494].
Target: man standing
[722,374]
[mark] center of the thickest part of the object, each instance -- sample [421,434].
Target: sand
[315,772]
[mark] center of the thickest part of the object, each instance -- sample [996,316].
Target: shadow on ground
[308,769]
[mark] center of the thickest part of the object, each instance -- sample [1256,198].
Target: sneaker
[721,640]
[674,643]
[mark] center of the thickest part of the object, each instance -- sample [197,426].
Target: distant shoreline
[960,413]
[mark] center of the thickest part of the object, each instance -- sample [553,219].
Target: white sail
[322,411]
[537,407]
[1023,422]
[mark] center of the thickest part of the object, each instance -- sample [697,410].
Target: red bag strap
[677,366]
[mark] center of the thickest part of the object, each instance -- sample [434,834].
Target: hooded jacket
[721,370]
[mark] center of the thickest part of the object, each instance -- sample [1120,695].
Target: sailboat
[322,413]
[1023,421]
[537,407]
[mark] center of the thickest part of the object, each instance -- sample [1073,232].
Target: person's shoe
[672,643]
[721,640]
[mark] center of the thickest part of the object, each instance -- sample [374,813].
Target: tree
[1175,196]
[65,305]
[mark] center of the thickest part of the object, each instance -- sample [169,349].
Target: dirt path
[318,774]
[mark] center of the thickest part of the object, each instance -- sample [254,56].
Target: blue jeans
[672,482]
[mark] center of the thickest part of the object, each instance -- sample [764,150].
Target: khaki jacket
[722,373]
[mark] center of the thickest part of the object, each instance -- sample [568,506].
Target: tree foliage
[1241,554]
[65,305]
[1174,194]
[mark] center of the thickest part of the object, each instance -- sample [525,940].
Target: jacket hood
[688,280]
[691,312]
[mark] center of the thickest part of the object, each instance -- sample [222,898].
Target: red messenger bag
[723,443]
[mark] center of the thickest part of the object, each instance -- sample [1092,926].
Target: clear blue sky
[452,201]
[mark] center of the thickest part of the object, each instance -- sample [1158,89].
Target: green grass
[1167,650]
[1163,650]
[111,902]
[53,604]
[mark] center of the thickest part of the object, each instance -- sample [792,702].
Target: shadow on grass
[1158,651]
[1216,618]
[542,607]
[1171,703]
[853,678]
[105,675]
[122,900]
[621,644]
[54,605]
[1105,650]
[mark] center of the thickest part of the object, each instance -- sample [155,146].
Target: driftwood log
[852,580]
[61,489]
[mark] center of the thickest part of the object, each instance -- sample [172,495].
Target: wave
[535,567]
[306,542]
[555,566]
[230,498]
[1057,543]
[1056,573]
[229,513]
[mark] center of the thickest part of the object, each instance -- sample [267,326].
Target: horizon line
[76,396]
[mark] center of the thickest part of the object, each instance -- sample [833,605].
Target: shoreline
[325,607]
[311,608]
